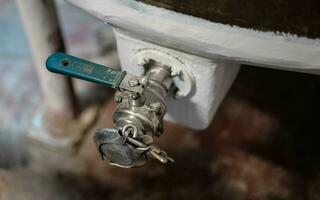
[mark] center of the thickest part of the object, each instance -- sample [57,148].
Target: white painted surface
[207,39]
[202,42]
[212,81]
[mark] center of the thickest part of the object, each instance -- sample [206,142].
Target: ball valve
[138,116]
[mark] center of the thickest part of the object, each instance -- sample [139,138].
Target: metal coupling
[138,116]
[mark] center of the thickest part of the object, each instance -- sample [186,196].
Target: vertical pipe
[42,28]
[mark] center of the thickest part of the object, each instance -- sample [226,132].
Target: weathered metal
[138,119]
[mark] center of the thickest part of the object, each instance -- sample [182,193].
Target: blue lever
[65,64]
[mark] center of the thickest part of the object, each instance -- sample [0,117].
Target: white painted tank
[211,53]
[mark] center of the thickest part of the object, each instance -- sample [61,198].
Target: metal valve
[138,116]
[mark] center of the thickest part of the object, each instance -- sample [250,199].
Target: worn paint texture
[285,16]
[205,38]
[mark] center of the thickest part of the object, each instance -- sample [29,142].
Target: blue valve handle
[65,64]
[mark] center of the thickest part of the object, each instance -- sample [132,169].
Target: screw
[117,98]
[133,82]
[156,107]
[135,96]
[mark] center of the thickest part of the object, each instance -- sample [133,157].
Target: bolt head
[133,82]
[118,99]
[135,96]
[156,107]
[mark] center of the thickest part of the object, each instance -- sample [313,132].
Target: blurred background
[263,143]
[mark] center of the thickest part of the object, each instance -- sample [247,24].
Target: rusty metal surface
[288,16]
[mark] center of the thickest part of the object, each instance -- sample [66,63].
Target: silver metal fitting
[138,118]
[140,109]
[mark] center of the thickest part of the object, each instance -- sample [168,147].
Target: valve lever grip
[65,64]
